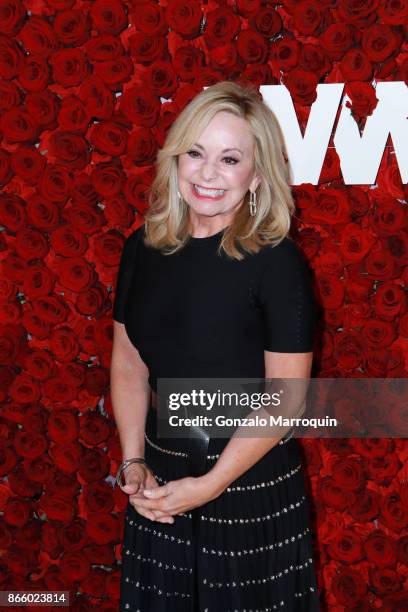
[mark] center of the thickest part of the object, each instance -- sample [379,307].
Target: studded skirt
[249,550]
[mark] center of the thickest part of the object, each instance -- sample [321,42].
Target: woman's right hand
[138,477]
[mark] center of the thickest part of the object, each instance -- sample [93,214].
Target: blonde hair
[167,220]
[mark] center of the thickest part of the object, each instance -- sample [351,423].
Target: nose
[208,171]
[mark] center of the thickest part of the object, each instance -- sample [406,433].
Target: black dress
[200,314]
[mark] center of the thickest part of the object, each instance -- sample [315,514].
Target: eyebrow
[223,151]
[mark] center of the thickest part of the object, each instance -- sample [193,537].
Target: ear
[256,181]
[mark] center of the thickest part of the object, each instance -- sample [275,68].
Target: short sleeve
[287,300]
[124,276]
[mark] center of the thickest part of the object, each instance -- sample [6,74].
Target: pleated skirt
[249,550]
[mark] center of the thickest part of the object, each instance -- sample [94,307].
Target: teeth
[209,192]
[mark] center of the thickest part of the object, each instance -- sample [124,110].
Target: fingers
[160,517]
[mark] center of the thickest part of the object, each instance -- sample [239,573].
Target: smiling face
[217,171]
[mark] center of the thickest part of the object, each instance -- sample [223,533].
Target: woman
[212,286]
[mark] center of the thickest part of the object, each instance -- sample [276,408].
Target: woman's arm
[241,453]
[130,393]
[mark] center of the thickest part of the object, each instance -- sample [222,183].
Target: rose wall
[87,92]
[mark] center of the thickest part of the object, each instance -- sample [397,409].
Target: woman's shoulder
[135,237]
[282,251]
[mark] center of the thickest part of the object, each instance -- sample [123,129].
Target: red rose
[332,495]
[99,554]
[28,164]
[379,333]
[6,171]
[108,179]
[363,99]
[109,138]
[252,47]
[389,300]
[21,485]
[12,212]
[94,584]
[150,20]
[12,16]
[17,125]
[307,17]
[30,445]
[380,549]
[388,216]
[161,79]
[140,107]
[63,426]
[11,58]
[108,247]
[221,27]
[385,581]
[94,429]
[346,547]
[35,326]
[51,309]
[103,528]
[331,167]
[55,184]
[75,274]
[69,66]
[330,291]
[87,219]
[246,8]
[42,213]
[38,281]
[98,497]
[357,13]
[267,22]
[73,537]
[349,349]
[31,244]
[104,48]
[394,512]
[73,373]
[83,191]
[35,419]
[379,42]
[67,457]
[380,265]
[8,458]
[187,62]
[115,72]
[258,74]
[10,95]
[72,27]
[43,107]
[384,469]
[38,37]
[284,54]
[355,243]
[355,66]
[332,208]
[337,39]
[24,389]
[393,13]
[348,473]
[366,507]
[184,17]
[389,180]
[348,587]
[302,86]
[145,49]
[142,147]
[17,511]
[223,58]
[97,378]
[118,212]
[136,193]
[39,469]
[39,364]
[34,73]
[68,241]
[314,58]
[49,539]
[94,466]
[108,16]
[70,149]
[97,98]
[373,447]
[75,566]
[402,550]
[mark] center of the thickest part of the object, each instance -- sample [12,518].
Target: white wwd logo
[360,155]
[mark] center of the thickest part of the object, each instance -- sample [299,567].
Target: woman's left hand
[179,496]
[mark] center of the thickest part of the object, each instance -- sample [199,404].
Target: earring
[252,203]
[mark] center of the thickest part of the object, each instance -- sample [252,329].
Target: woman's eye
[193,153]
[231,161]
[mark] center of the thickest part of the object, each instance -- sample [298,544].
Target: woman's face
[217,171]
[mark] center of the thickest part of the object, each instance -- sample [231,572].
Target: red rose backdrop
[87,93]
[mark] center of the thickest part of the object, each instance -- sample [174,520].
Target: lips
[201,196]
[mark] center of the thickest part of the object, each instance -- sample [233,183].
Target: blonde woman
[211,287]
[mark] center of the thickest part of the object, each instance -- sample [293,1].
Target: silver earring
[252,203]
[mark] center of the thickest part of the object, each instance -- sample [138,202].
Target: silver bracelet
[123,467]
